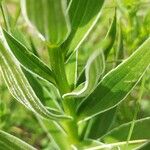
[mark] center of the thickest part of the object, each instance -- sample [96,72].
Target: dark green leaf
[99,125]
[83,14]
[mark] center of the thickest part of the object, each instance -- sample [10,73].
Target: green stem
[135,112]
[58,67]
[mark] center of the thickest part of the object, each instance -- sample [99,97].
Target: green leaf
[120,145]
[121,133]
[27,59]
[111,36]
[48,17]
[71,70]
[120,47]
[94,70]
[19,86]
[10,142]
[40,90]
[117,84]
[99,125]
[84,15]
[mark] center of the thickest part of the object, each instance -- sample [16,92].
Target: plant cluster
[57,67]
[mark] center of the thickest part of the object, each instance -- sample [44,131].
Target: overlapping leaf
[49,17]
[94,69]
[117,84]
[101,123]
[27,59]
[83,14]
[10,142]
[121,133]
[133,145]
[18,84]
[111,35]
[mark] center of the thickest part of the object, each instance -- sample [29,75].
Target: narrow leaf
[27,59]
[94,69]
[10,142]
[101,123]
[48,17]
[83,14]
[120,133]
[19,86]
[117,84]
[119,145]
[111,36]
[120,47]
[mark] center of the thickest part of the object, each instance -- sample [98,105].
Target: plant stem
[58,67]
[135,112]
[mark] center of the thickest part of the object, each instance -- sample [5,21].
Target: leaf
[84,15]
[40,90]
[27,59]
[145,147]
[10,142]
[111,36]
[51,22]
[71,70]
[55,132]
[99,125]
[19,86]
[119,145]
[120,47]
[117,84]
[120,133]
[94,69]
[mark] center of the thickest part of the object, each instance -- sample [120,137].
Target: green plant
[81,98]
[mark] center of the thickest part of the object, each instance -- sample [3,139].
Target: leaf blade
[19,86]
[51,22]
[93,70]
[27,59]
[11,142]
[117,84]
[82,24]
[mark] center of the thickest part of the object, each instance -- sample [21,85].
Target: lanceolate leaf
[49,17]
[111,36]
[117,84]
[19,86]
[101,123]
[121,133]
[94,69]
[83,14]
[120,47]
[10,142]
[133,145]
[27,59]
